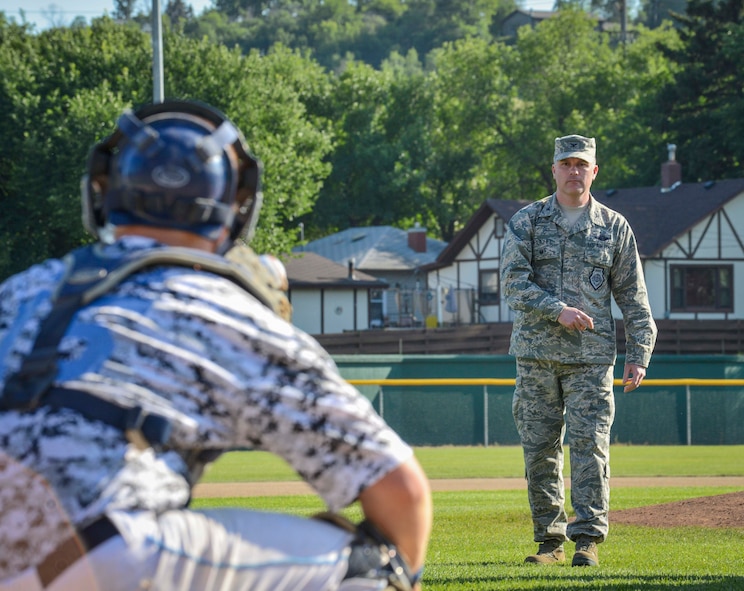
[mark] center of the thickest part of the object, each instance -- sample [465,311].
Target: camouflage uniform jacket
[547,265]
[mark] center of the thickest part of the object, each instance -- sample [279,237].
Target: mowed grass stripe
[506,462]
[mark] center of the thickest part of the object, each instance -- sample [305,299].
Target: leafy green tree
[637,138]
[124,9]
[570,79]
[64,88]
[48,79]
[480,122]
[351,195]
[497,110]
[178,10]
[368,30]
[236,9]
[610,10]
[218,28]
[652,13]
[16,81]
[389,9]
[472,113]
[566,81]
[705,100]
[379,157]
[387,138]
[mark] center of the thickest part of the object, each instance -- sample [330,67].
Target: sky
[43,13]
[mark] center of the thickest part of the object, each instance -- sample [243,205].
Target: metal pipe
[485,415]
[157,53]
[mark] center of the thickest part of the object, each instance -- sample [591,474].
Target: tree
[473,100]
[424,140]
[587,86]
[124,9]
[235,9]
[218,29]
[479,123]
[62,95]
[653,13]
[178,10]
[705,98]
[377,163]
[636,138]
[68,86]
[497,110]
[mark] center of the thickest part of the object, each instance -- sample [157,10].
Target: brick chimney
[417,238]
[671,171]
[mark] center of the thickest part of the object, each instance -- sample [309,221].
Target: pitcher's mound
[715,511]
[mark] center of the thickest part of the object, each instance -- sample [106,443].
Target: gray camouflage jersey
[192,346]
[548,265]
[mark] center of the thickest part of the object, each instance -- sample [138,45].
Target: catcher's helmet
[177,164]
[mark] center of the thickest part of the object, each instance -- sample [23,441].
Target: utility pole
[157,53]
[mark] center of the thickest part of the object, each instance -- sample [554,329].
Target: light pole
[157,53]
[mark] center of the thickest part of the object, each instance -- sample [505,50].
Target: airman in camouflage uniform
[564,258]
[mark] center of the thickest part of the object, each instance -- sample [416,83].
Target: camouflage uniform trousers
[549,397]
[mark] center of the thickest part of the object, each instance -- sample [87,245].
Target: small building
[530,18]
[394,256]
[327,297]
[523,17]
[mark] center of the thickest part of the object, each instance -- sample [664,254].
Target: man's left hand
[633,376]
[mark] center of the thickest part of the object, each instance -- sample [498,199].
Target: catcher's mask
[178,164]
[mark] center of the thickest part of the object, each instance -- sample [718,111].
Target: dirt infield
[712,511]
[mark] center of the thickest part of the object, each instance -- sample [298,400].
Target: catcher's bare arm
[399,505]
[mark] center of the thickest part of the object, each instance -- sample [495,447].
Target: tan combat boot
[586,552]
[549,552]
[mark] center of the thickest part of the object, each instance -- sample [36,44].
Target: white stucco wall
[306,310]
[338,310]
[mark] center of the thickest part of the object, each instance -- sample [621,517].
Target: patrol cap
[575,146]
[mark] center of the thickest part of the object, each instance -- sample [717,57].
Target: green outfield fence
[692,400]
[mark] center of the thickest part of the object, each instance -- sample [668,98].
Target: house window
[498,227]
[702,289]
[376,308]
[488,287]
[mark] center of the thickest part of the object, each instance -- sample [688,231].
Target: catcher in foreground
[131,364]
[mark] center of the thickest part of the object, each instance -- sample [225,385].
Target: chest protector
[90,276]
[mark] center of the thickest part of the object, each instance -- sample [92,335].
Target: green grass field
[480,538]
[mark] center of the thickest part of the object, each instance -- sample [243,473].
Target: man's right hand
[575,319]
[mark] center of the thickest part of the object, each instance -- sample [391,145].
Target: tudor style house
[690,237]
